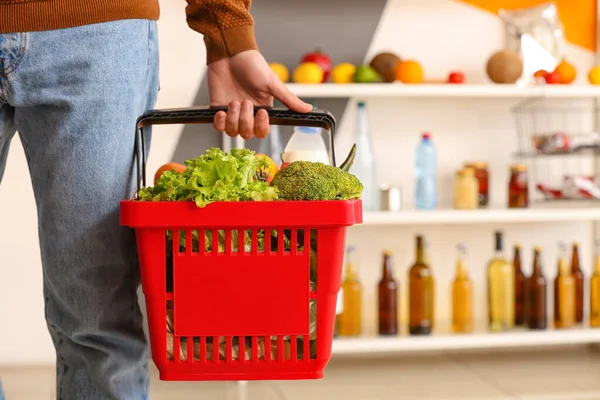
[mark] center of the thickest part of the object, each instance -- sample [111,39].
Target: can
[391,198]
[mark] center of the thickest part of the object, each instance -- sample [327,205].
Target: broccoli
[305,180]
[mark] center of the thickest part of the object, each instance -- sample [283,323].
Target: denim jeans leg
[77,94]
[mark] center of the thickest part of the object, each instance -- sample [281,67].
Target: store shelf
[482,216]
[332,90]
[403,344]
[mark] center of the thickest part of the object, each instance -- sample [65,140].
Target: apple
[552,77]
[322,60]
[456,77]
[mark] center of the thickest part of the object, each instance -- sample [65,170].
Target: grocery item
[366,74]
[420,293]
[425,174]
[456,77]
[385,64]
[518,187]
[351,316]
[594,75]
[365,162]
[462,295]
[504,66]
[501,290]
[552,77]
[172,167]
[574,187]
[281,71]
[579,279]
[559,142]
[564,292]
[391,198]
[306,144]
[343,73]
[308,73]
[267,173]
[466,190]
[536,295]
[519,288]
[322,60]
[483,176]
[595,290]
[387,295]
[566,71]
[409,71]
[305,180]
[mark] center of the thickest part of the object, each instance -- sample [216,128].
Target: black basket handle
[205,115]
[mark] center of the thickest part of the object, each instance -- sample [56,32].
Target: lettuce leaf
[214,176]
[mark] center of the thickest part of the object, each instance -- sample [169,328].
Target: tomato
[456,77]
[322,60]
[552,77]
[285,164]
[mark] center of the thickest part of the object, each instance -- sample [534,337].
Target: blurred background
[477,128]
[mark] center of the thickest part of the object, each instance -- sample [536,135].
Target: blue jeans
[74,96]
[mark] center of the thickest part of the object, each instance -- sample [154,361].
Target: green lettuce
[214,176]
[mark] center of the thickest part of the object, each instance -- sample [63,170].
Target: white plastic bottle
[306,144]
[364,166]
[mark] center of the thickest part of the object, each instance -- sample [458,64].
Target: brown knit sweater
[227,25]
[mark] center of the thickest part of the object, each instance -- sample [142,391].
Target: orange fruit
[566,71]
[172,166]
[271,170]
[308,73]
[409,71]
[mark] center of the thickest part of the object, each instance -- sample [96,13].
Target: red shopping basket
[240,290]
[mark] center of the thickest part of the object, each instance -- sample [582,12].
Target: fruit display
[308,73]
[594,75]
[343,73]
[504,66]
[564,73]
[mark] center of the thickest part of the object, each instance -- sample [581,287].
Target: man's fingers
[233,117]
[246,124]
[261,124]
[289,99]
[219,121]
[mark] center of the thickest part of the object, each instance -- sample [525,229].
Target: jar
[483,176]
[466,190]
[518,187]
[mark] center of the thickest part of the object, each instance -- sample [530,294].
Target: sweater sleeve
[227,26]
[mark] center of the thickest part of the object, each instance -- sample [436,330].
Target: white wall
[443,35]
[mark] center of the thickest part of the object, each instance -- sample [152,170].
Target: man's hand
[241,82]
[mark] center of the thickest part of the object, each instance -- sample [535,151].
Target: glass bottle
[579,283]
[462,295]
[388,298]
[536,295]
[351,316]
[564,292]
[519,288]
[595,291]
[501,290]
[420,294]
[365,162]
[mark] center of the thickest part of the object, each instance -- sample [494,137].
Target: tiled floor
[550,374]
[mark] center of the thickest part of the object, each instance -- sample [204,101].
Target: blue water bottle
[425,174]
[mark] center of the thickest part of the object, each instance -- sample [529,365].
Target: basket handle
[205,115]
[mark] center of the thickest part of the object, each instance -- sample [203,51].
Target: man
[74,76]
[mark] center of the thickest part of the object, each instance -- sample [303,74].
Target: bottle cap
[426,135]
[308,129]
[361,104]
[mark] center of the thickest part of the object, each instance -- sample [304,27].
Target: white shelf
[404,344]
[332,90]
[480,216]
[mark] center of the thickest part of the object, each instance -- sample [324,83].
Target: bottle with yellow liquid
[350,319]
[501,290]
[462,295]
[595,291]
[420,294]
[564,292]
